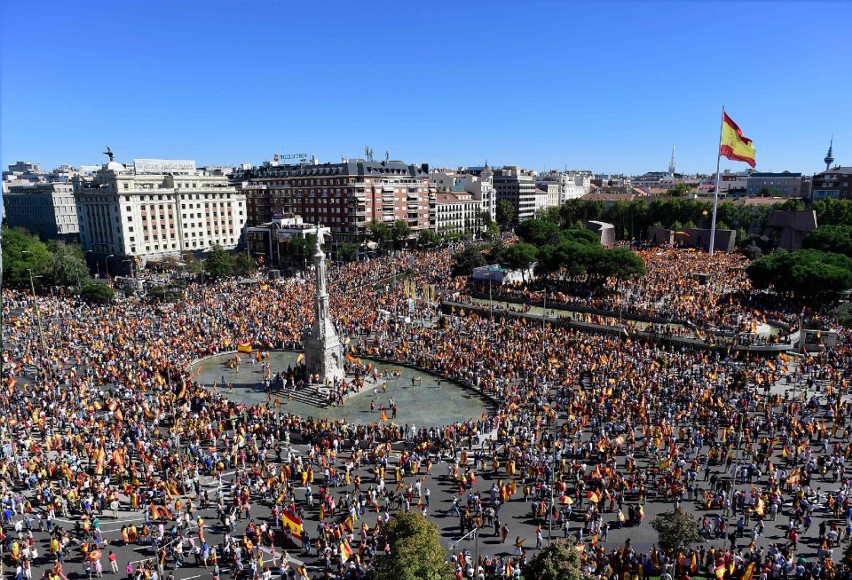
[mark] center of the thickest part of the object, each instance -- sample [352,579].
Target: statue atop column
[323,352]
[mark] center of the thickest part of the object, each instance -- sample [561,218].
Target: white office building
[157,208]
[42,208]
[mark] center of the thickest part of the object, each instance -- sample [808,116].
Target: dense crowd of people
[109,416]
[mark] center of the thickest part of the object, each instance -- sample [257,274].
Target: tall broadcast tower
[829,157]
[672,166]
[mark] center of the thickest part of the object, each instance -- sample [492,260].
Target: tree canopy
[805,273]
[378,232]
[538,232]
[833,212]
[558,560]
[399,232]
[97,293]
[23,252]
[677,530]
[466,260]
[219,263]
[505,214]
[520,256]
[415,550]
[679,190]
[836,239]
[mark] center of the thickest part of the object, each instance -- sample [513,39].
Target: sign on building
[158,166]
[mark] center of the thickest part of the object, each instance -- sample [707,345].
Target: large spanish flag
[289,520]
[734,145]
[244,347]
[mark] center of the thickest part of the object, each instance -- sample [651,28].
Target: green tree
[428,237]
[301,249]
[624,265]
[192,264]
[219,263]
[551,214]
[538,232]
[23,252]
[843,313]
[519,256]
[676,530]
[243,265]
[679,190]
[580,236]
[830,239]
[415,550]
[492,230]
[67,265]
[466,260]
[793,204]
[97,293]
[805,273]
[399,232]
[833,212]
[505,214]
[379,232]
[558,560]
[346,252]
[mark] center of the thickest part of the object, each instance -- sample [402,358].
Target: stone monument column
[323,352]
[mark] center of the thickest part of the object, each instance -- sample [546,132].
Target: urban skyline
[610,87]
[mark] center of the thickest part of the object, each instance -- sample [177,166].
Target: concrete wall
[795,225]
[660,236]
[697,238]
[605,231]
[725,240]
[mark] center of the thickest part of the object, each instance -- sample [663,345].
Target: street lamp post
[38,316]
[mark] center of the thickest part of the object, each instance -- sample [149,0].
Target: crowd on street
[590,432]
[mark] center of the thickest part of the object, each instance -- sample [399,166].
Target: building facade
[455,212]
[345,196]
[785,183]
[571,184]
[45,209]
[271,239]
[156,209]
[518,188]
[478,182]
[833,184]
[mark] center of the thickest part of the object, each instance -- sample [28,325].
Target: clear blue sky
[603,86]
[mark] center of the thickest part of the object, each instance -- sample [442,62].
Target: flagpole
[716,189]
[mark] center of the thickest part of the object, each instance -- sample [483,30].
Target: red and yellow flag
[734,145]
[244,347]
[293,522]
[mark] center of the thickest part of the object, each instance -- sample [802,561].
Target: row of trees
[52,263]
[394,236]
[632,219]
[554,251]
[822,269]
[805,273]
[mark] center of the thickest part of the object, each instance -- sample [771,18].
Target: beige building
[455,212]
[157,208]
